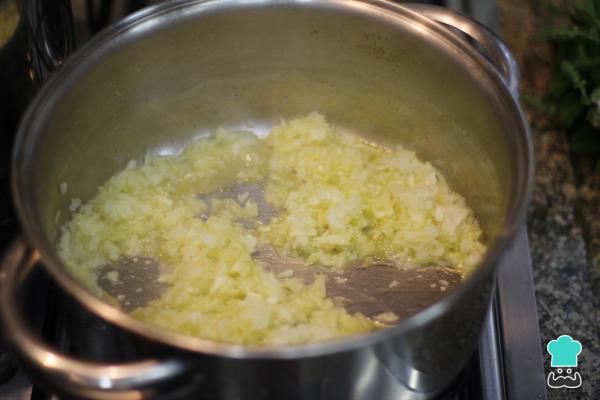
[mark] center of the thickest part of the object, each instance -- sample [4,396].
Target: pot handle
[76,378]
[489,44]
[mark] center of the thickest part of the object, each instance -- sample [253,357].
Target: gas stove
[507,364]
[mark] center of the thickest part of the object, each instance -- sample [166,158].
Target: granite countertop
[564,216]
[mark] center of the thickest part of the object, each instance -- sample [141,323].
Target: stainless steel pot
[401,74]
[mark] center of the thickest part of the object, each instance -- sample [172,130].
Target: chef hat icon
[564,351]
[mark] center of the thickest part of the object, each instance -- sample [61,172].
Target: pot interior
[159,82]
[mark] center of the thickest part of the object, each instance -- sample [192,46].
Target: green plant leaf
[573,93]
[570,113]
[591,6]
[586,141]
[595,95]
[587,62]
[593,117]
[557,86]
[576,79]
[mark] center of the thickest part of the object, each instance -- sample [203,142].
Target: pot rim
[141,20]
